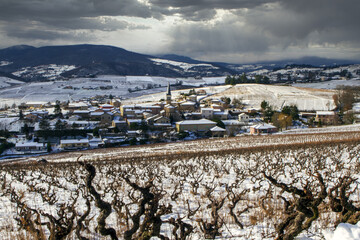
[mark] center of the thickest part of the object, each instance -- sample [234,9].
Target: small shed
[217,131]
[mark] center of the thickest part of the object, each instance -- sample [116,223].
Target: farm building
[262,128]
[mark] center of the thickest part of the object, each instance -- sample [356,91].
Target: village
[44,127]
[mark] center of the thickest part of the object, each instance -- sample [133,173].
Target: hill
[253,94]
[29,63]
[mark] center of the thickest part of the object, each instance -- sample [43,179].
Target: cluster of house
[164,120]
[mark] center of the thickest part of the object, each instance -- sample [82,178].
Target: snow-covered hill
[8,82]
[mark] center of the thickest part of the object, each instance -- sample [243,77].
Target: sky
[237,31]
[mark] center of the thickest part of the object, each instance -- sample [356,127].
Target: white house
[30,147]
[74,144]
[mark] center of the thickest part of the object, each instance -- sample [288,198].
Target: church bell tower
[168,94]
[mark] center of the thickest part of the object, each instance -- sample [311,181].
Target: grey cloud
[272,27]
[203,10]
[100,23]
[296,22]
[73,14]
[35,34]
[193,39]
[255,26]
[209,4]
[31,9]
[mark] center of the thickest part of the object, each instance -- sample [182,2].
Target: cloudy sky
[215,30]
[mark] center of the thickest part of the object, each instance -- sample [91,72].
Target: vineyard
[260,187]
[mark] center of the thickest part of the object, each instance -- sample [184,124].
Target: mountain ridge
[83,60]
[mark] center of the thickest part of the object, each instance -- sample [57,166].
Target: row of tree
[233,80]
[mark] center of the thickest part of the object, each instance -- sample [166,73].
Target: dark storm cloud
[41,9]
[209,4]
[202,10]
[279,24]
[245,26]
[34,34]
[194,38]
[67,15]
[307,21]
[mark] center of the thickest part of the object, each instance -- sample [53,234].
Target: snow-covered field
[8,82]
[139,89]
[224,188]
[253,94]
[51,72]
[182,65]
[88,87]
[278,96]
[329,84]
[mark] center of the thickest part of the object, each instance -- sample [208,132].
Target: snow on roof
[217,129]
[81,111]
[162,124]
[29,144]
[169,106]
[134,120]
[188,103]
[118,121]
[128,106]
[325,113]
[196,122]
[231,122]
[96,113]
[207,109]
[106,106]
[78,104]
[82,122]
[148,106]
[263,126]
[36,103]
[220,113]
[69,141]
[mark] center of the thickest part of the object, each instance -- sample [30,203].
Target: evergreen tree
[59,125]
[57,109]
[48,147]
[264,104]
[243,78]
[21,115]
[44,124]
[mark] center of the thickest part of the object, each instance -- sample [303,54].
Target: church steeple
[168,94]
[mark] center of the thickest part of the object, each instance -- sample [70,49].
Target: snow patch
[51,71]
[184,66]
[344,231]
[4,63]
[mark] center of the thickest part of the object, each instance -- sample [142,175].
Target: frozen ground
[329,84]
[88,87]
[8,82]
[139,89]
[253,94]
[184,66]
[279,96]
[199,183]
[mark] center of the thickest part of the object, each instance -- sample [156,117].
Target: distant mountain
[29,63]
[54,62]
[314,61]
[179,58]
